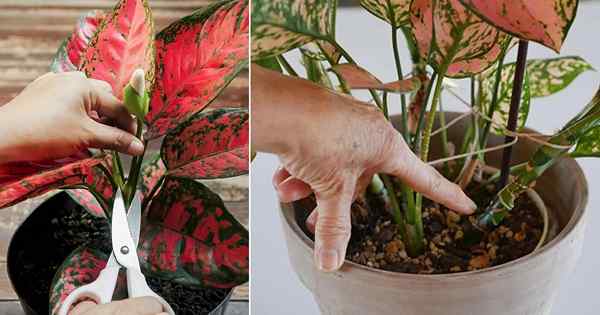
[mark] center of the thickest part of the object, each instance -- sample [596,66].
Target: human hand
[58,115]
[136,306]
[332,145]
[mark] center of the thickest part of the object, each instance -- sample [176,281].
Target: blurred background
[275,287]
[30,33]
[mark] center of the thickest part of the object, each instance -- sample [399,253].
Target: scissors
[125,230]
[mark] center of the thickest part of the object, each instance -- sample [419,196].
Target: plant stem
[286,65]
[405,131]
[494,103]
[426,138]
[513,114]
[421,122]
[444,134]
[134,171]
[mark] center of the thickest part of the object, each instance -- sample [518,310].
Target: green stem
[134,171]
[426,138]
[421,122]
[286,65]
[405,131]
[117,173]
[444,134]
[494,103]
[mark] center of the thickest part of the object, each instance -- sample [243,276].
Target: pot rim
[287,210]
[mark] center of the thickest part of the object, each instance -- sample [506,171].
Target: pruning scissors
[125,230]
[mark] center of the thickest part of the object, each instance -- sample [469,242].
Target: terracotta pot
[526,286]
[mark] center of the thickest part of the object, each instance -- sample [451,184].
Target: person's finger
[289,188]
[311,221]
[82,307]
[293,189]
[138,306]
[280,175]
[106,104]
[423,178]
[107,137]
[332,228]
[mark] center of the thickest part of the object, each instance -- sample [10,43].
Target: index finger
[106,104]
[423,178]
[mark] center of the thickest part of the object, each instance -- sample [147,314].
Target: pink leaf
[359,78]
[196,58]
[209,145]
[88,201]
[189,236]
[463,44]
[88,172]
[122,44]
[544,21]
[80,268]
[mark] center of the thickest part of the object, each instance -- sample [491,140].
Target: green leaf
[588,145]
[281,25]
[500,116]
[270,63]
[395,12]
[548,76]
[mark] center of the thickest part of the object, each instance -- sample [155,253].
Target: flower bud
[135,97]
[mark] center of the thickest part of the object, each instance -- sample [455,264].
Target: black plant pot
[56,228]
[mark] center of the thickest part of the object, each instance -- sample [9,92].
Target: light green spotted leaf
[281,25]
[395,12]
[588,145]
[500,116]
[548,76]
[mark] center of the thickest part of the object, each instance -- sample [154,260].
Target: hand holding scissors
[125,230]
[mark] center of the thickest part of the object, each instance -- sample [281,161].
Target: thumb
[332,229]
[112,138]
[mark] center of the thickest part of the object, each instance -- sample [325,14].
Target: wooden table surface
[30,32]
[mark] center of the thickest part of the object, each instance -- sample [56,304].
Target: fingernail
[328,260]
[136,147]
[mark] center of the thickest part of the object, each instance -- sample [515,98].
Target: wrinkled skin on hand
[59,115]
[137,306]
[332,145]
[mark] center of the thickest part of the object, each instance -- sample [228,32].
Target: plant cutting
[394,228]
[192,250]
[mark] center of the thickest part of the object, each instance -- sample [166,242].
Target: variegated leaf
[209,145]
[90,172]
[81,267]
[68,56]
[463,44]
[500,117]
[188,236]
[153,170]
[544,21]
[395,12]
[548,76]
[313,61]
[197,57]
[588,145]
[88,201]
[280,25]
[122,44]
[358,78]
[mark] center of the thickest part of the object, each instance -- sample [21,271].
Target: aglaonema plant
[166,80]
[460,39]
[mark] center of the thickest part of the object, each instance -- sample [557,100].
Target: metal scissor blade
[134,217]
[123,244]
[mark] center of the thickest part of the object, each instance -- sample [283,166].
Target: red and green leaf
[122,44]
[90,173]
[197,57]
[89,201]
[69,55]
[460,43]
[395,12]
[81,267]
[188,236]
[209,145]
[356,77]
[544,21]
[281,25]
[153,170]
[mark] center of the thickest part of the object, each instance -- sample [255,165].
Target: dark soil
[449,243]
[60,227]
